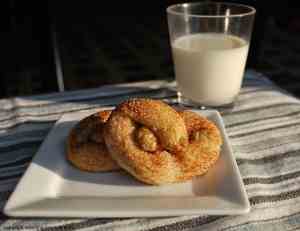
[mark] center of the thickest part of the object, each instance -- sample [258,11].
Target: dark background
[124,41]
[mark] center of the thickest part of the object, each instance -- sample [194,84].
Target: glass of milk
[210,43]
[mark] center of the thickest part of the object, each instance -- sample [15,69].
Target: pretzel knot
[158,145]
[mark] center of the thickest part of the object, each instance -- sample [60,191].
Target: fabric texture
[264,130]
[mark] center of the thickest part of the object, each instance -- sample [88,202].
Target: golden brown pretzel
[86,149]
[151,141]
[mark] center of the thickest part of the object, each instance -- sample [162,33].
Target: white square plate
[51,187]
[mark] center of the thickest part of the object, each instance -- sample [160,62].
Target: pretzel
[86,149]
[158,145]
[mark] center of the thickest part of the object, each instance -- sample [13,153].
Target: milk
[209,67]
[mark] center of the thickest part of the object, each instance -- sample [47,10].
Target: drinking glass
[210,43]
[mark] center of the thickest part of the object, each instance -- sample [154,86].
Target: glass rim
[170,9]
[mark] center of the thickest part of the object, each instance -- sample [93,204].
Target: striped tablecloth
[264,128]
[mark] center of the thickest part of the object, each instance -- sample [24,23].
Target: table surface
[264,128]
